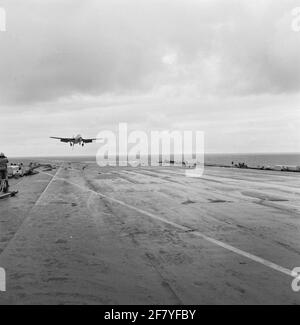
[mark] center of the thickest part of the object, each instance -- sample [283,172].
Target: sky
[228,68]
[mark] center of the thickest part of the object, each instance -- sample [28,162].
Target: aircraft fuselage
[77,140]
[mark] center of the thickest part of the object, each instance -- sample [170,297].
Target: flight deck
[150,235]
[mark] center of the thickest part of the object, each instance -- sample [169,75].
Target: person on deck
[3,172]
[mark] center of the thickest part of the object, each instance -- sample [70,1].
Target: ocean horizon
[251,159]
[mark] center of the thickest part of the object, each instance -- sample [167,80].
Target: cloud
[68,48]
[225,67]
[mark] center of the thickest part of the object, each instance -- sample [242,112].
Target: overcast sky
[229,68]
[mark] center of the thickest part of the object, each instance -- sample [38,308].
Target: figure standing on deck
[3,173]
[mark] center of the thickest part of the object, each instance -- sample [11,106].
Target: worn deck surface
[151,236]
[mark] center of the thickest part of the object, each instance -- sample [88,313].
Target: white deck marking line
[46,189]
[233,249]
[14,236]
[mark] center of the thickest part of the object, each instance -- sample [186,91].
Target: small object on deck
[241,165]
[8,194]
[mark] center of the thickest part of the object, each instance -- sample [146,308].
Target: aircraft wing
[63,139]
[88,140]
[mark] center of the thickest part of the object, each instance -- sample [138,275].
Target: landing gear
[83,144]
